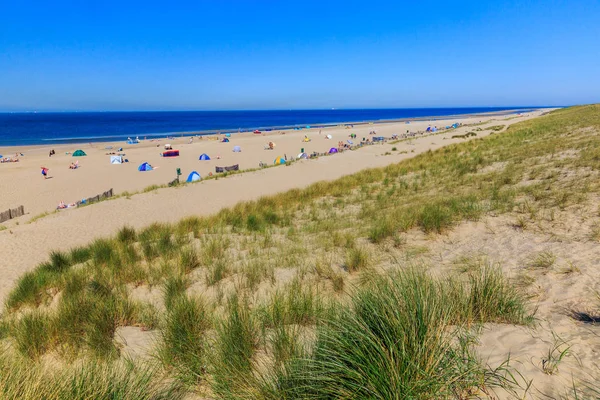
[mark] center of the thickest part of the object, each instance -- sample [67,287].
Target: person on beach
[45,172]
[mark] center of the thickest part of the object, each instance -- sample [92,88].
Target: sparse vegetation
[313,293]
[556,353]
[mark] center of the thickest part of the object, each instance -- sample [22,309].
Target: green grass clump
[104,251]
[20,379]
[183,339]
[216,272]
[80,254]
[126,234]
[357,259]
[29,290]
[491,298]
[382,229]
[394,341]
[173,288]
[59,262]
[231,363]
[188,260]
[294,305]
[32,334]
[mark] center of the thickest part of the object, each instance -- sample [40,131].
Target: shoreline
[210,132]
[21,182]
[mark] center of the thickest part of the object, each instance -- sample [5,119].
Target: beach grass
[318,292]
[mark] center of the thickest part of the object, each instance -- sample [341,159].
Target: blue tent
[225,140]
[145,167]
[204,157]
[228,135]
[193,177]
[237,149]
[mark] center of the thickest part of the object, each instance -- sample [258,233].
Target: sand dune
[26,244]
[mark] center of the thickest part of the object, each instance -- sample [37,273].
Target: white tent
[328,137]
[116,160]
[237,149]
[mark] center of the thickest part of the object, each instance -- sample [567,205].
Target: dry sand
[26,244]
[21,183]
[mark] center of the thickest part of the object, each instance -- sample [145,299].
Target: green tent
[79,153]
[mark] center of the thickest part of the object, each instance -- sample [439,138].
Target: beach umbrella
[279,160]
[302,155]
[329,137]
[237,149]
[228,135]
[333,150]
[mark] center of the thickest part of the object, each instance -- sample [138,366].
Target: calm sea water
[55,128]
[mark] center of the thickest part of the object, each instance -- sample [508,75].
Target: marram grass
[325,333]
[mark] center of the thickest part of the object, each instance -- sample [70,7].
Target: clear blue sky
[182,55]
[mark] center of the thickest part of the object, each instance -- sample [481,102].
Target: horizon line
[275,109]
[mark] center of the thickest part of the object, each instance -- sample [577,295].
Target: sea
[45,128]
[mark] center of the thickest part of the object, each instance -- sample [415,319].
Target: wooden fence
[12,213]
[98,197]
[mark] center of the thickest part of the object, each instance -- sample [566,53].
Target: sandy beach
[22,184]
[25,244]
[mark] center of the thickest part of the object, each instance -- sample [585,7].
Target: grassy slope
[289,296]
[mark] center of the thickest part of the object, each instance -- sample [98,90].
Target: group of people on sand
[62,205]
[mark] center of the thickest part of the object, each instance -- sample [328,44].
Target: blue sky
[211,55]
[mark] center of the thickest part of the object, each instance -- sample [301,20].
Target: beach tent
[237,149]
[193,177]
[279,160]
[228,135]
[79,153]
[204,157]
[225,140]
[302,155]
[333,150]
[116,160]
[328,137]
[145,167]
